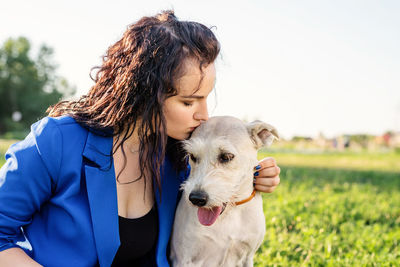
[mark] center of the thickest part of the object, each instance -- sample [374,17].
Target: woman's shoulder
[63,124]
[50,139]
[49,131]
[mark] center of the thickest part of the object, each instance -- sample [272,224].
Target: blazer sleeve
[27,179]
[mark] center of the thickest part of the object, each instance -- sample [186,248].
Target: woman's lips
[193,128]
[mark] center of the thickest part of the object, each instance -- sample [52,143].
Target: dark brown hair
[135,78]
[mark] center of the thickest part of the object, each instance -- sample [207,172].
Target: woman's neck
[130,144]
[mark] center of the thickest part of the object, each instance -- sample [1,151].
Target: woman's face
[185,111]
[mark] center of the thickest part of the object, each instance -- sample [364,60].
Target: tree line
[28,84]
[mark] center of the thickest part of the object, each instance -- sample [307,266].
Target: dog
[219,220]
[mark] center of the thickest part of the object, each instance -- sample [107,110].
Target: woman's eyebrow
[193,96]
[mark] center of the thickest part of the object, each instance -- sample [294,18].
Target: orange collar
[247,199]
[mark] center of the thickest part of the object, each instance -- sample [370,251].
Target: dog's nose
[198,198]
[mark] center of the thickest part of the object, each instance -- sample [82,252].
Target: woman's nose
[201,114]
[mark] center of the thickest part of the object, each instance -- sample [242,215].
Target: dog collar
[247,199]
[241,201]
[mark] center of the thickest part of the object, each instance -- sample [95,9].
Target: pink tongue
[207,217]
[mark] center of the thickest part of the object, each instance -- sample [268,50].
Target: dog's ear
[262,134]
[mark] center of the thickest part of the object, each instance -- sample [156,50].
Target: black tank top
[138,240]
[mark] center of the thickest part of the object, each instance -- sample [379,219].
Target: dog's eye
[225,157]
[193,158]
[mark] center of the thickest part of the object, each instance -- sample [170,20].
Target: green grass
[4,145]
[381,161]
[343,211]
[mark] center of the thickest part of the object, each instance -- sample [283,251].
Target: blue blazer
[58,191]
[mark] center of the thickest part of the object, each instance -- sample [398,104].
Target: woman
[68,188]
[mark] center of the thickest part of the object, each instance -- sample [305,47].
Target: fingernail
[258,167]
[256,174]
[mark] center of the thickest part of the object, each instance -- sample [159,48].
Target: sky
[306,67]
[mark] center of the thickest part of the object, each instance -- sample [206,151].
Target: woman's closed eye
[188,104]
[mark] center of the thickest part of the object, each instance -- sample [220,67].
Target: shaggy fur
[223,154]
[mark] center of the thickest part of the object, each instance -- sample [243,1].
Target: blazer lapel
[102,196]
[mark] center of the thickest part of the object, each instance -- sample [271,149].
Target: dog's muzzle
[198,198]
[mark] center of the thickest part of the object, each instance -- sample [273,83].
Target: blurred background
[324,73]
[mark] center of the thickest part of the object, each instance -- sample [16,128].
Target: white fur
[238,232]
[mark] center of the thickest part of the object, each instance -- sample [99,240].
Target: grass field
[331,209]
[4,145]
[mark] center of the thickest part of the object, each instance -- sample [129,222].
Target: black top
[138,240]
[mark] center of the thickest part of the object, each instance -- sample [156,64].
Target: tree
[27,86]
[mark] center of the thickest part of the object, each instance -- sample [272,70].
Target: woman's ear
[262,134]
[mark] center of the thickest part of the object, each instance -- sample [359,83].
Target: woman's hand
[266,175]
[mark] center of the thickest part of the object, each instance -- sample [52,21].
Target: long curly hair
[136,76]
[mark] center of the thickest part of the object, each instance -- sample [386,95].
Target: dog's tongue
[207,217]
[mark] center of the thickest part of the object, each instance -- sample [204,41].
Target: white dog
[219,220]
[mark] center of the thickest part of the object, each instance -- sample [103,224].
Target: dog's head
[223,154]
